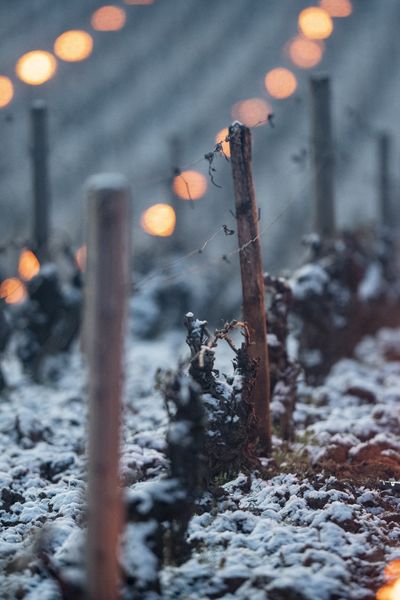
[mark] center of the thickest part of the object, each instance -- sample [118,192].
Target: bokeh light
[190,185]
[392,570]
[220,139]
[251,112]
[159,220]
[305,53]
[81,258]
[28,265]
[36,67]
[6,91]
[108,18]
[280,83]
[12,291]
[74,45]
[391,591]
[337,8]
[315,23]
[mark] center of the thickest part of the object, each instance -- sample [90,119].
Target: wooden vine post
[384,143]
[109,224]
[254,313]
[322,156]
[40,180]
[176,241]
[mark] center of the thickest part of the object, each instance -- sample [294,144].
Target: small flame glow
[391,590]
[12,290]
[28,265]
[73,46]
[6,91]
[159,220]
[251,112]
[305,53]
[190,185]
[315,23]
[220,139]
[108,18]
[337,8]
[280,83]
[81,258]
[36,67]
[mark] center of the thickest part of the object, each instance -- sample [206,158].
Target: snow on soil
[285,538]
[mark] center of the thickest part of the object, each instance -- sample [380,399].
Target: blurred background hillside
[156,90]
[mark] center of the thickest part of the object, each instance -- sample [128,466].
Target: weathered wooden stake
[109,224]
[384,147]
[175,151]
[323,156]
[252,276]
[40,180]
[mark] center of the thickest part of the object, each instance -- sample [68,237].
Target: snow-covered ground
[318,528]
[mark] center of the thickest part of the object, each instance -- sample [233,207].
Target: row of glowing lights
[38,66]
[34,68]
[305,50]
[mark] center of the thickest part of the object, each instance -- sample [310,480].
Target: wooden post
[40,180]
[384,144]
[252,276]
[175,152]
[323,157]
[109,224]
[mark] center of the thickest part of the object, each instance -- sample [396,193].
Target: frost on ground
[316,525]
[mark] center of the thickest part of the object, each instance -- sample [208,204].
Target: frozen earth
[321,526]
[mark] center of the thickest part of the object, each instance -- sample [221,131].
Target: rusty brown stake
[252,277]
[109,225]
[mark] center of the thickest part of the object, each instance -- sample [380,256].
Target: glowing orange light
[190,185]
[6,91]
[36,67]
[315,23]
[74,45]
[159,220]
[389,592]
[81,258]
[280,83]
[12,291]
[251,112]
[220,139]
[108,18]
[392,570]
[305,53]
[28,265]
[337,8]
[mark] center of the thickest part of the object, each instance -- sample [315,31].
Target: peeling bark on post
[252,276]
[109,225]
[323,156]
[40,180]
[384,179]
